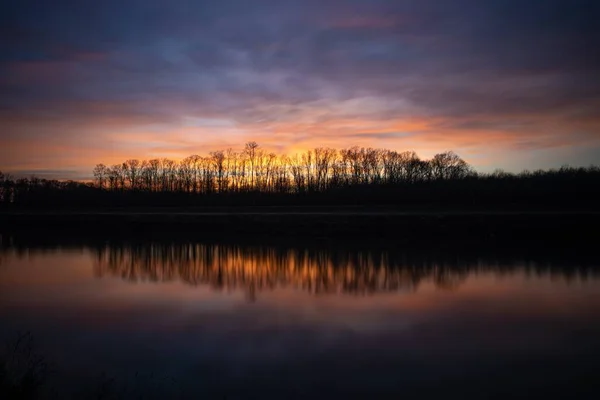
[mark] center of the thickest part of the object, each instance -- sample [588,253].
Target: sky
[505,84]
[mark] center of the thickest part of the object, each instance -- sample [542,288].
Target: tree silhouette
[352,175]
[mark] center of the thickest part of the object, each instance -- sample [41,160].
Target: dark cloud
[471,62]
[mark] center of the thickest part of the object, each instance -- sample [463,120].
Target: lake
[186,319]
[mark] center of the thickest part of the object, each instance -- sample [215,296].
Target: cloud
[106,79]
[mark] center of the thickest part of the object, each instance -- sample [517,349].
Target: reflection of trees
[256,269]
[263,268]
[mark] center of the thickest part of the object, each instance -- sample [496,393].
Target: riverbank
[348,222]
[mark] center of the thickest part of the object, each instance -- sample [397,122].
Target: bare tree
[185,175]
[324,160]
[234,170]
[101,172]
[131,169]
[250,150]
[297,170]
[448,165]
[218,160]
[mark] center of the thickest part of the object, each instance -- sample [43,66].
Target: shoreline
[551,226]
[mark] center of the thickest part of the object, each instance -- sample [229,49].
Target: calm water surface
[232,321]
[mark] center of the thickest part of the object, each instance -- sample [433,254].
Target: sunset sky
[509,84]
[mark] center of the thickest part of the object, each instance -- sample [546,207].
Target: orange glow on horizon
[110,133]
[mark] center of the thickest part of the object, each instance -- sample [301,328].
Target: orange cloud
[76,136]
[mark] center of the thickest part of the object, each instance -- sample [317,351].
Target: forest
[321,176]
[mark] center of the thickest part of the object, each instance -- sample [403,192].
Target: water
[293,320]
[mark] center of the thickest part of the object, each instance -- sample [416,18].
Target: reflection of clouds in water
[256,269]
[371,319]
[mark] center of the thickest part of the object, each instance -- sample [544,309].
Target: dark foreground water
[193,320]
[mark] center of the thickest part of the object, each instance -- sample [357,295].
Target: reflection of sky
[502,83]
[489,321]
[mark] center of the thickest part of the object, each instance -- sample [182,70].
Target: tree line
[322,175]
[255,170]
